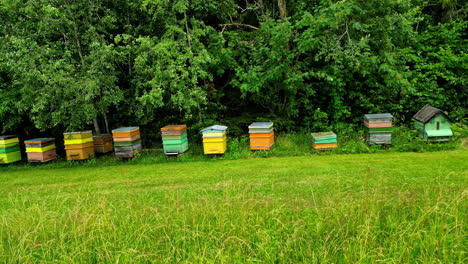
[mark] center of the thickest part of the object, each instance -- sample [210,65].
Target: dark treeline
[98,64]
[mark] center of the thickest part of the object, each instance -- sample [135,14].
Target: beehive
[79,145]
[103,143]
[174,138]
[127,141]
[40,149]
[433,124]
[324,140]
[9,149]
[214,139]
[262,135]
[378,128]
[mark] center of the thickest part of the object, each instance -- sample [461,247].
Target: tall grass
[385,207]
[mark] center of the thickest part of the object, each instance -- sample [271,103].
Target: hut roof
[427,113]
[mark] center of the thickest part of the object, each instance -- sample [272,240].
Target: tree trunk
[96,126]
[282,8]
[106,123]
[262,7]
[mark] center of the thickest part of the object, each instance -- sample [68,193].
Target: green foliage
[307,65]
[59,61]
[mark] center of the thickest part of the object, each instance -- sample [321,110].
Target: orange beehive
[128,138]
[80,153]
[125,132]
[262,141]
[174,129]
[325,145]
[262,135]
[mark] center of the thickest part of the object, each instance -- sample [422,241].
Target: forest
[305,65]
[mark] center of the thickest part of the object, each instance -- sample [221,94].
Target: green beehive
[9,149]
[378,128]
[432,124]
[174,139]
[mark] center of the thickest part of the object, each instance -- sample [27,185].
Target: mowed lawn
[388,208]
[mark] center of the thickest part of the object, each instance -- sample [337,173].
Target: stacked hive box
[378,128]
[262,135]
[103,143]
[79,145]
[40,149]
[9,149]
[214,139]
[174,139]
[127,141]
[324,140]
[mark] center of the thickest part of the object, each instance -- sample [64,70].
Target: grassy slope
[389,207]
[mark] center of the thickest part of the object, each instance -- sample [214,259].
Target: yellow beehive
[78,141]
[214,140]
[8,141]
[78,135]
[9,149]
[40,149]
[79,145]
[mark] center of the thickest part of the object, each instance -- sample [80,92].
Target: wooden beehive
[174,138]
[41,149]
[127,141]
[214,139]
[9,149]
[261,135]
[378,128]
[79,145]
[103,143]
[324,140]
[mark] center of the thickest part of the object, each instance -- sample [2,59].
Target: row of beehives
[125,142]
[431,123]
[175,140]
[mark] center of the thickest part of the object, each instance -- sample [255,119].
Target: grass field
[362,208]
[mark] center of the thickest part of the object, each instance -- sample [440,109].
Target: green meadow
[362,208]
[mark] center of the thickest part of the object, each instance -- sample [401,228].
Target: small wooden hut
[432,124]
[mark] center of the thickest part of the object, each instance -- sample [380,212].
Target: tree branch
[188,32]
[240,25]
